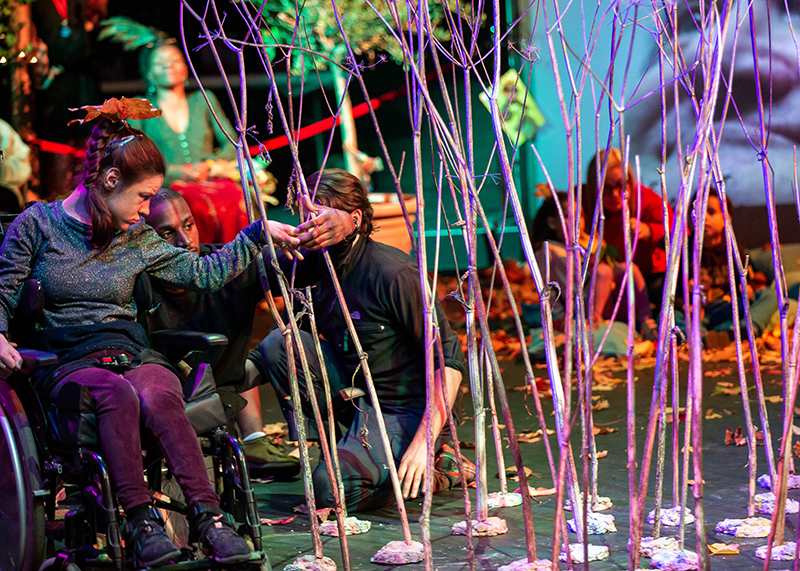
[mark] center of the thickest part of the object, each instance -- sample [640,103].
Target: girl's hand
[10,359]
[284,237]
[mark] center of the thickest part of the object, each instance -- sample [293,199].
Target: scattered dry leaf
[511,473]
[602,454]
[723,548]
[721,372]
[534,492]
[267,521]
[601,404]
[773,399]
[466,445]
[710,414]
[603,430]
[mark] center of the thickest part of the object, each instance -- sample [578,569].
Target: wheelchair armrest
[187,340]
[33,359]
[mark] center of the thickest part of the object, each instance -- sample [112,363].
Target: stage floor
[725,474]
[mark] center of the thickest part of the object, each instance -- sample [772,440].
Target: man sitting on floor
[229,311]
[382,289]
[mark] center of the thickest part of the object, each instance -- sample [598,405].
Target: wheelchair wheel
[22,515]
[58,564]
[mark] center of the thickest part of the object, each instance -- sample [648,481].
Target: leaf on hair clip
[118,110]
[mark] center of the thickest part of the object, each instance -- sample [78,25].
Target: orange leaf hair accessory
[116,110]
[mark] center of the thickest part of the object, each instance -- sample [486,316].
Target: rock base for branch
[399,553]
[311,563]
[597,524]
[683,560]
[750,527]
[498,500]
[490,527]
[766,482]
[649,546]
[671,517]
[765,504]
[525,565]
[596,553]
[602,504]
[352,526]
[783,552]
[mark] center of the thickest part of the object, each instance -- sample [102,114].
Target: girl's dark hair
[339,189]
[134,154]
[590,188]
[540,229]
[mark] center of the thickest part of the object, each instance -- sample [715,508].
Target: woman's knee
[109,390]
[157,386]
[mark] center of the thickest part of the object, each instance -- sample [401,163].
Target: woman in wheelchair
[86,252]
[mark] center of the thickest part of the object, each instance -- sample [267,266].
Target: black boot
[148,542]
[210,525]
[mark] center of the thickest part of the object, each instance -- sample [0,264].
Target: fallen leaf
[603,430]
[773,399]
[796,449]
[467,445]
[728,412]
[267,521]
[528,437]
[722,372]
[601,404]
[601,454]
[511,473]
[710,414]
[723,548]
[535,492]
[322,513]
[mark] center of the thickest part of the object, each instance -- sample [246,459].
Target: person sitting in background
[15,169]
[646,212]
[610,278]
[714,280]
[230,312]
[199,154]
[382,288]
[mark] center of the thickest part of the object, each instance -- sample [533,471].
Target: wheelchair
[50,458]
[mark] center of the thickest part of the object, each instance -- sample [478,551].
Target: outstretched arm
[414,462]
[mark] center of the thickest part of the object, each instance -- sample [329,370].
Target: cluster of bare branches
[440,40]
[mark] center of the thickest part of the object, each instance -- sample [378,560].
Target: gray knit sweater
[83,286]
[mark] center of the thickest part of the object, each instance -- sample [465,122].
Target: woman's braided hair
[115,145]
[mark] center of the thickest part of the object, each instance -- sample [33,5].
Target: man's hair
[339,189]
[163,195]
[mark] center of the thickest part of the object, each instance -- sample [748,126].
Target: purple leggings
[149,394]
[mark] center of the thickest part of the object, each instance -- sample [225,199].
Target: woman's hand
[284,237]
[10,359]
[329,226]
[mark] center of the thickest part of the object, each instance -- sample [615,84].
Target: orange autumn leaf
[118,110]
